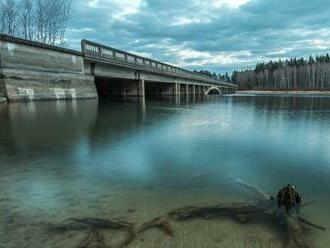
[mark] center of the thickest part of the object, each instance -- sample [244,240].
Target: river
[137,159]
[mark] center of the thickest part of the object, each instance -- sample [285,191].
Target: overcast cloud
[219,35]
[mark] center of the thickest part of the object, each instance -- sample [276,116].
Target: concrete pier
[141,88]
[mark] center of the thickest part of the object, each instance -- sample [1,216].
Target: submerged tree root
[159,222]
[294,225]
[95,237]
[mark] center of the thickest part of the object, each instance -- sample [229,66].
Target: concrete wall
[32,71]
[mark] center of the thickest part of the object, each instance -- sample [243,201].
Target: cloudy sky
[219,35]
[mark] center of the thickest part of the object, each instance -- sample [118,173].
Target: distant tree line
[291,74]
[218,76]
[39,20]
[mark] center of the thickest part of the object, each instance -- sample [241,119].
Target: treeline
[224,77]
[39,20]
[292,74]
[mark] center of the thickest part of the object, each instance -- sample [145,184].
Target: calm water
[139,159]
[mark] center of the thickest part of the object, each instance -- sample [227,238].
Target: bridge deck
[97,52]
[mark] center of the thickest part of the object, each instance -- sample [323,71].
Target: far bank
[285,92]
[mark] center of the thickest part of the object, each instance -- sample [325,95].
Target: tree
[227,79]
[293,73]
[8,17]
[327,58]
[26,19]
[41,20]
[234,77]
[311,60]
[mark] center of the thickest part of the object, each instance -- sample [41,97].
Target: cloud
[221,35]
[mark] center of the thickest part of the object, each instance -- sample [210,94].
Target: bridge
[122,73]
[31,71]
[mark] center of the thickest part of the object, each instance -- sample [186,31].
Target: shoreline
[286,92]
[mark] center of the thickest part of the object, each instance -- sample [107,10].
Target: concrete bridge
[32,71]
[131,75]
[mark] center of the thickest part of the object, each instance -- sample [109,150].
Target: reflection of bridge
[122,73]
[31,71]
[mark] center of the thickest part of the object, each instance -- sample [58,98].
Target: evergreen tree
[311,60]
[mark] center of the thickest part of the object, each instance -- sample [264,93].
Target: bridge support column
[141,91]
[193,89]
[187,89]
[176,90]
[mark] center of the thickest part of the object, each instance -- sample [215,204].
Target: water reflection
[44,129]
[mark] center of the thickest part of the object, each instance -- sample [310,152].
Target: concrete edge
[7,38]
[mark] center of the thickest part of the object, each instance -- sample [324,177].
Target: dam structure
[35,71]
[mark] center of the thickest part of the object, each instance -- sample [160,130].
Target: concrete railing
[105,53]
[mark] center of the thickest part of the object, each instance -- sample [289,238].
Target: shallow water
[138,159]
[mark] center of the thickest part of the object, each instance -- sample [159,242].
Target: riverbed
[137,159]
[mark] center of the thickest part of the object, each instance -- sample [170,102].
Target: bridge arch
[213,91]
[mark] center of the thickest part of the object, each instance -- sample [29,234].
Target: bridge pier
[141,88]
[176,89]
[187,89]
[193,89]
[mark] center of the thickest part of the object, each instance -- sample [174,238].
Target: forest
[291,74]
[218,76]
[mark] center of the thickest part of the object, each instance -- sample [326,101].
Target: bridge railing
[98,51]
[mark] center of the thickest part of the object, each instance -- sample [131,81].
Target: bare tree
[41,20]
[52,17]
[9,17]
[26,16]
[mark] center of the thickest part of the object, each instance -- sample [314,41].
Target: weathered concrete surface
[33,72]
[2,87]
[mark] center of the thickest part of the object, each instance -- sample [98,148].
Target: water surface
[138,159]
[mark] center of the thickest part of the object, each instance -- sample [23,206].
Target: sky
[218,35]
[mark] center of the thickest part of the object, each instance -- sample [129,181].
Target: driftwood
[266,207]
[294,225]
[159,222]
[95,237]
